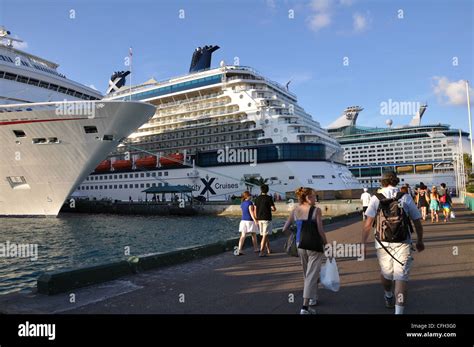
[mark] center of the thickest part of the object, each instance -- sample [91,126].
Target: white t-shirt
[407,202]
[365,197]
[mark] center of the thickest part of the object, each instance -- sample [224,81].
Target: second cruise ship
[417,152]
[217,131]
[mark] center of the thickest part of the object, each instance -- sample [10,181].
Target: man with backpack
[391,213]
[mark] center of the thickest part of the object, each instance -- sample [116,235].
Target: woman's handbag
[309,236]
[290,245]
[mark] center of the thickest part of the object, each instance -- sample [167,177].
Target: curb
[66,280]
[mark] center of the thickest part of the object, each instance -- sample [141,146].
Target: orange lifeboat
[122,165]
[172,159]
[104,166]
[146,162]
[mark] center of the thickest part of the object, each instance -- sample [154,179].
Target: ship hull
[39,170]
[222,182]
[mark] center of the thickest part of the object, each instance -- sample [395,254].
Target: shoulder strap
[399,195]
[380,196]
[310,213]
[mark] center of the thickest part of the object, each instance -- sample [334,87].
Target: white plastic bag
[329,275]
[453,215]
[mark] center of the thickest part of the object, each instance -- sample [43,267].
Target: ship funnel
[348,118]
[416,120]
[201,59]
[117,81]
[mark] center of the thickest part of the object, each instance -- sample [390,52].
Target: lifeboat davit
[146,162]
[122,165]
[104,166]
[172,159]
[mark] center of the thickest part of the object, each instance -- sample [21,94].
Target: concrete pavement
[441,282]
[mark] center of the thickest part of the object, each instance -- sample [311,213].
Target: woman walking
[248,224]
[422,200]
[434,204]
[311,260]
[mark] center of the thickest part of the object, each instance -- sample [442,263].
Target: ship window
[115,186]
[142,175]
[148,174]
[291,177]
[120,176]
[19,133]
[120,186]
[108,138]
[39,140]
[33,82]
[136,185]
[148,185]
[90,129]
[53,140]
[53,87]
[166,173]
[10,76]
[142,185]
[160,173]
[110,186]
[62,90]
[105,187]
[153,174]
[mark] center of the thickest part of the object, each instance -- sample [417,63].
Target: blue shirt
[245,210]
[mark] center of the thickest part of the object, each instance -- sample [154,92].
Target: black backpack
[392,223]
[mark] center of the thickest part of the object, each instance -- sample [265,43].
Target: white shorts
[247,226]
[265,227]
[390,268]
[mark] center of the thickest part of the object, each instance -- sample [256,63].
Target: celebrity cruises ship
[416,152]
[53,131]
[217,130]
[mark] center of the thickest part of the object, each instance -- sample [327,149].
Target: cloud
[451,93]
[319,21]
[322,12]
[271,4]
[321,15]
[20,45]
[361,22]
[321,5]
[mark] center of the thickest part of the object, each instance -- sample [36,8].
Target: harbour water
[76,240]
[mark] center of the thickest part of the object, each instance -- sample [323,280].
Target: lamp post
[470,124]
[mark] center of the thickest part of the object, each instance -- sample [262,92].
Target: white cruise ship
[217,130]
[416,152]
[53,131]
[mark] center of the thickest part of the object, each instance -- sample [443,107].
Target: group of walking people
[390,214]
[436,200]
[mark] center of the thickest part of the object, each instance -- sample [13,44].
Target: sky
[339,53]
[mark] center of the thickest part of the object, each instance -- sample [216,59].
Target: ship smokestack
[201,59]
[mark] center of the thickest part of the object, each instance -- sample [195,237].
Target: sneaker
[313,302]
[308,311]
[389,302]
